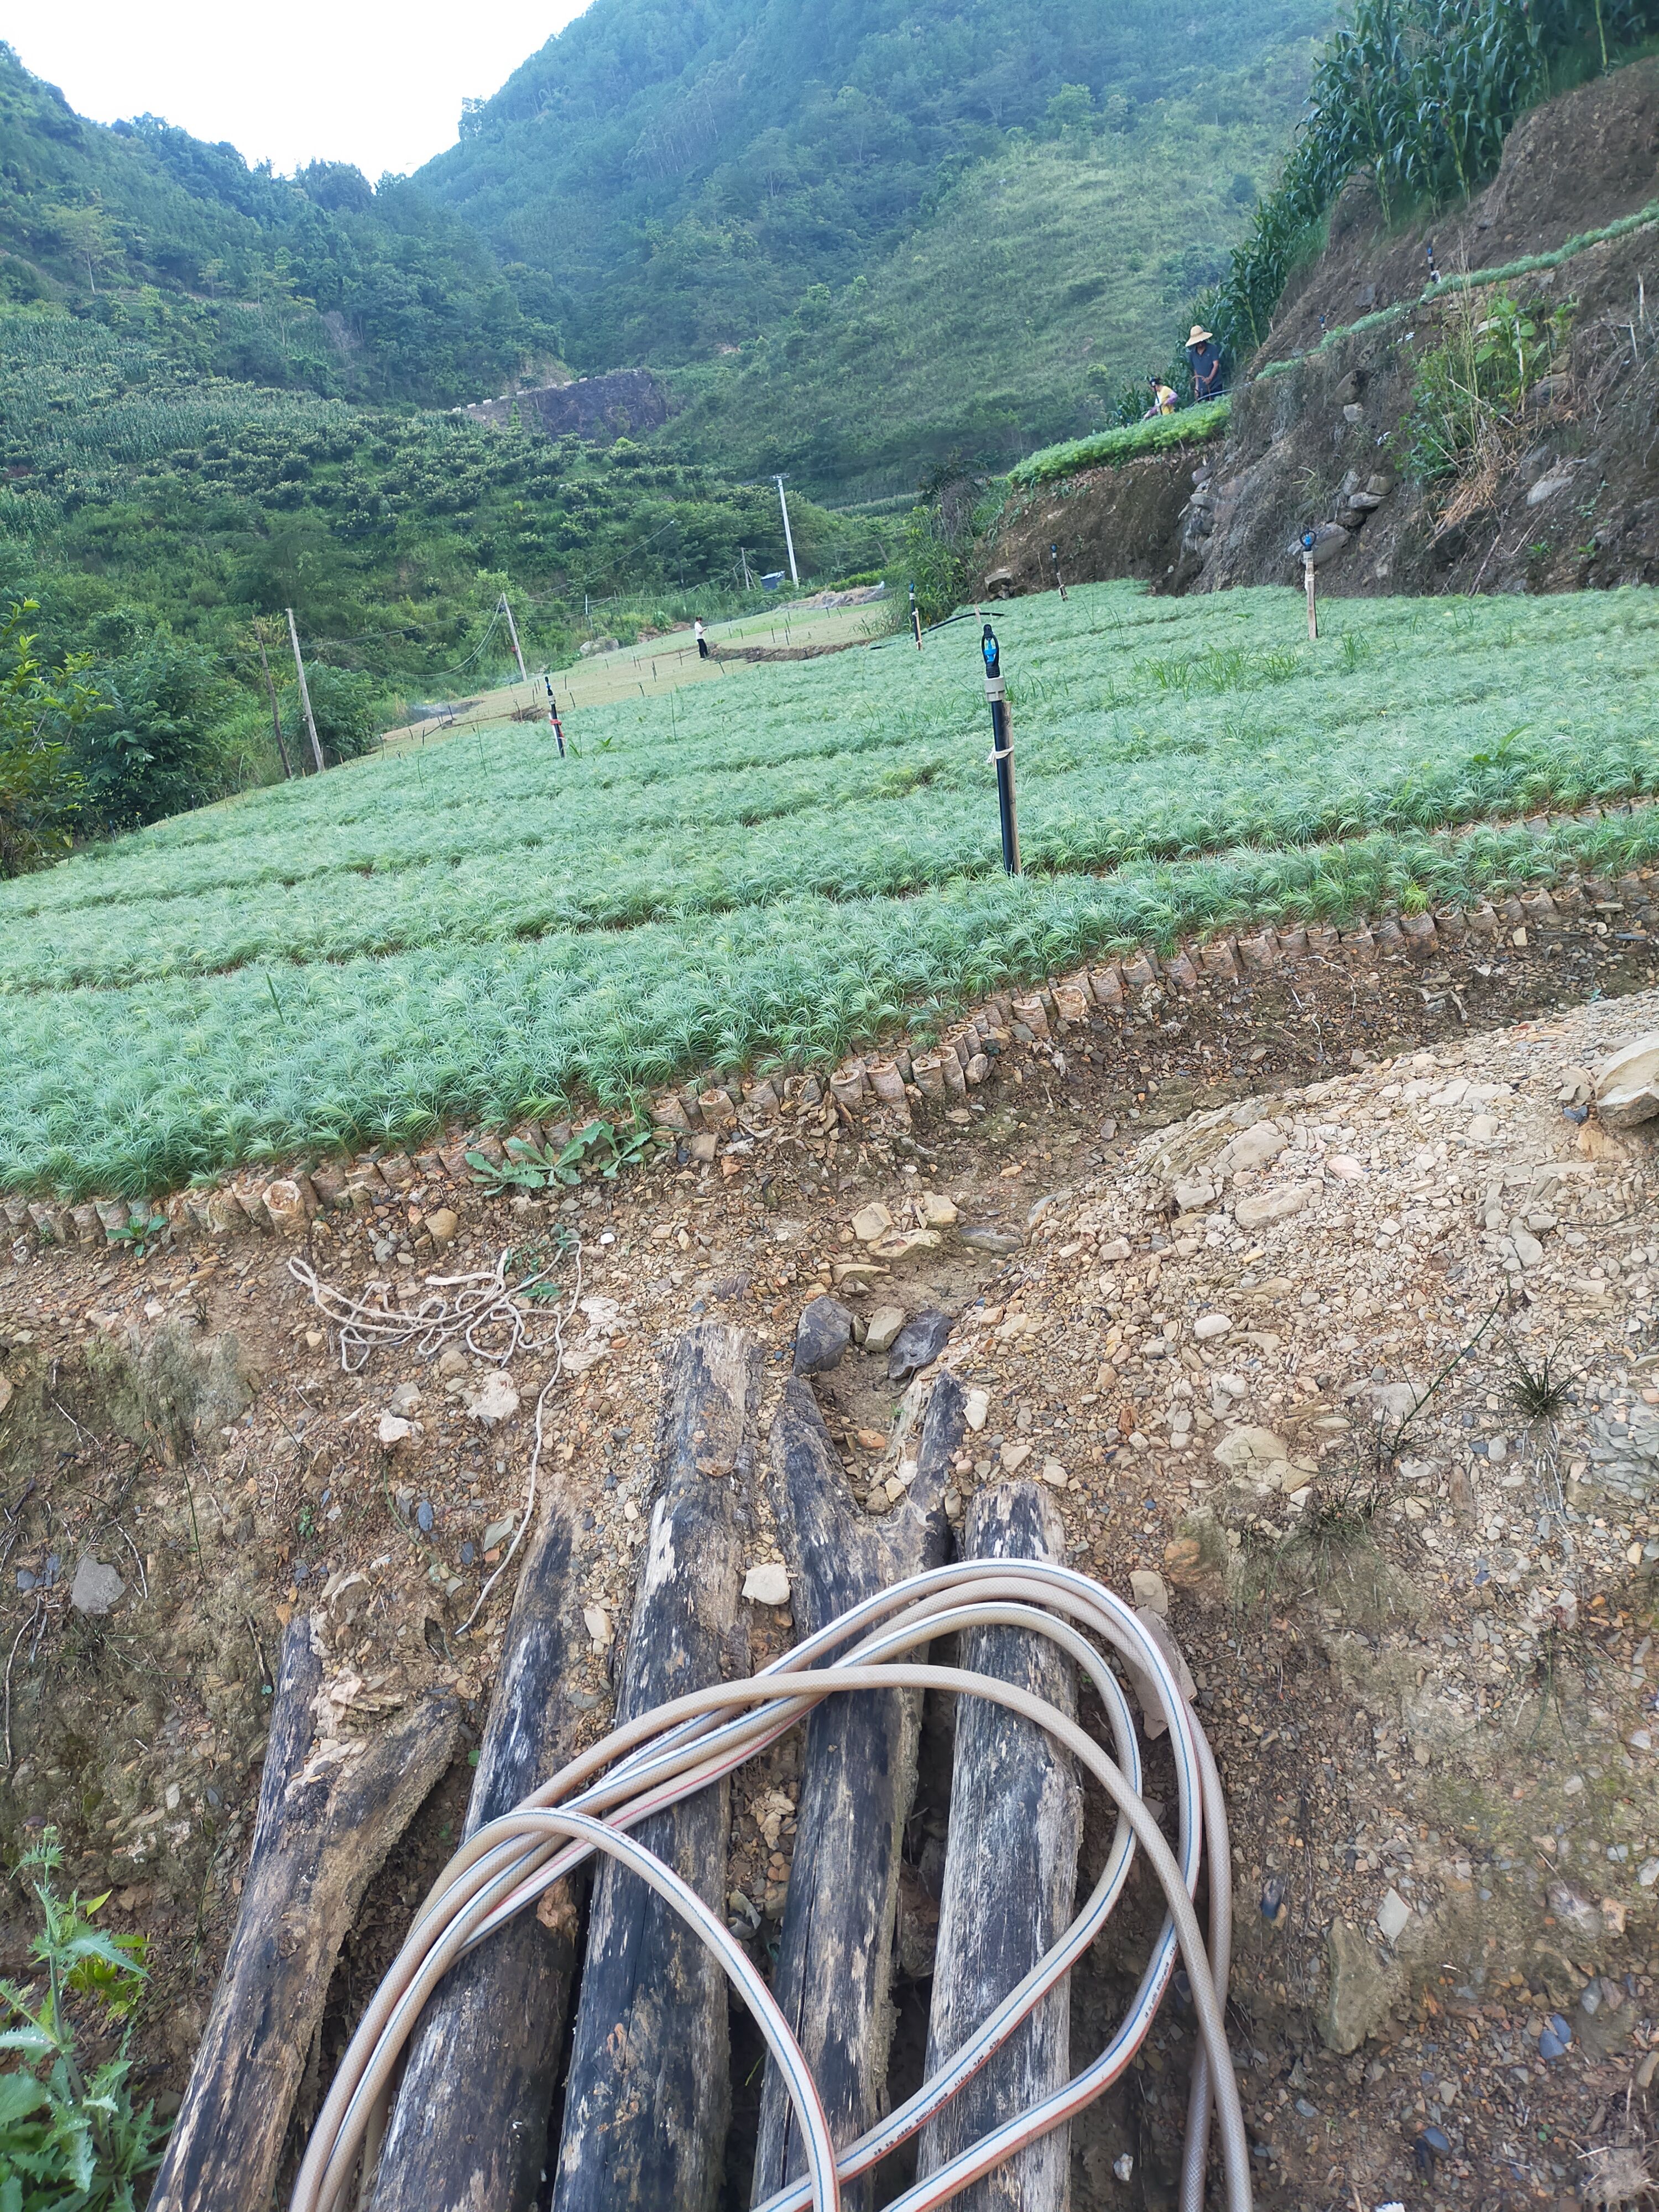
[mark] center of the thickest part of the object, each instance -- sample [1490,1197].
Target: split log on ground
[469,2125]
[649,2093]
[1010,1880]
[331,1806]
[834,1957]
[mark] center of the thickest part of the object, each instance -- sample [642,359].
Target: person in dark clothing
[1206,361]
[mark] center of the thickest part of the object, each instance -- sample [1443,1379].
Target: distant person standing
[702,636]
[1206,361]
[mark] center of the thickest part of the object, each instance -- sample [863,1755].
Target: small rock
[1250,1148]
[452,1362]
[442,1226]
[96,1588]
[5,1392]
[1482,1127]
[1123,2167]
[918,1344]
[597,1622]
[881,1327]
[1359,1991]
[937,1211]
[872,1221]
[1053,1473]
[984,1238]
[469,1552]
[1527,1249]
[498,1532]
[393,1431]
[1013,1457]
[1152,1591]
[1212,1325]
[494,1400]
[1111,1253]
[1394,1916]
[1345,1167]
[871,1440]
[1431,2144]
[1269,1207]
[406,1400]
[424,1516]
[1556,2039]
[977,1411]
[822,1336]
[767,1585]
[1627,1084]
[1195,1193]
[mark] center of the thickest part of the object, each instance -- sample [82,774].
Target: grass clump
[1110,448]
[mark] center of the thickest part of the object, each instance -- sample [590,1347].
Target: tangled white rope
[485,1305]
[680,1747]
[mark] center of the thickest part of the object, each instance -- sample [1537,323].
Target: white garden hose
[666,1755]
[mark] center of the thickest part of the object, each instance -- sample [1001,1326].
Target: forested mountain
[689,170]
[321,281]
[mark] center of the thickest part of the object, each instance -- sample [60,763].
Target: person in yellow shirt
[1164,398]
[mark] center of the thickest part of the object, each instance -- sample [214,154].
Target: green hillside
[689,172]
[800,861]
[1046,279]
[155,516]
[321,281]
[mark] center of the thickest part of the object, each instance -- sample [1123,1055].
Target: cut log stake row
[474,2009]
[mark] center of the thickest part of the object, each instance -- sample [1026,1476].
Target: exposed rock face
[625,403]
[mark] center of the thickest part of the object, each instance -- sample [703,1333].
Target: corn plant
[1417,95]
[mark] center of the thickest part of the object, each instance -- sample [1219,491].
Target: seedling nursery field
[769,870]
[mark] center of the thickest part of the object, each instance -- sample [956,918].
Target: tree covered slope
[320,281]
[689,172]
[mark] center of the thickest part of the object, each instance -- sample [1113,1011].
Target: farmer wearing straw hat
[1206,361]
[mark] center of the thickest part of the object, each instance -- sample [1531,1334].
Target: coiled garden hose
[668,1754]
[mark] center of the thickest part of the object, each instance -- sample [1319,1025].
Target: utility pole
[788,535]
[305,693]
[275,711]
[513,632]
[743,555]
[1002,749]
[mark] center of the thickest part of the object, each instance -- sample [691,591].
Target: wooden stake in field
[1059,581]
[304,695]
[915,618]
[1308,579]
[1002,749]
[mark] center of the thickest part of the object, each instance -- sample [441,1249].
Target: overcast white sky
[379,82]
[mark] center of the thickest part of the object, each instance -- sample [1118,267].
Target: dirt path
[1202,1268]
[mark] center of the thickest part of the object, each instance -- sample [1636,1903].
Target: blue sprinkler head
[993,652]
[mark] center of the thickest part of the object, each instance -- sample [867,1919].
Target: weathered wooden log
[649,2093]
[470,2126]
[331,1806]
[1010,1880]
[835,1957]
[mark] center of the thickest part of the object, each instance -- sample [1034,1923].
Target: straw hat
[1196,336]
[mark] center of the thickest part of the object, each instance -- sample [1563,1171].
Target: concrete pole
[305,694]
[788,535]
